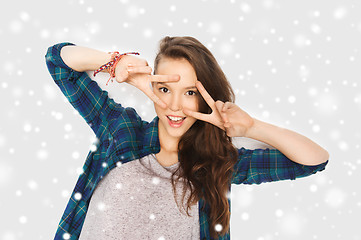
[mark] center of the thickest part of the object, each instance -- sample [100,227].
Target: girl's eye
[160,89]
[165,90]
[194,93]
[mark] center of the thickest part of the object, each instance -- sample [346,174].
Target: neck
[168,144]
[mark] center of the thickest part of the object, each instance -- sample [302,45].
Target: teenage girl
[129,185]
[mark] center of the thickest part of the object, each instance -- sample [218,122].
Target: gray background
[294,64]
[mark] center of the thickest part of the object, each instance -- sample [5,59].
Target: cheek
[195,106]
[192,105]
[157,109]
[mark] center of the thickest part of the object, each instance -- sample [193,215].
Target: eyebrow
[190,87]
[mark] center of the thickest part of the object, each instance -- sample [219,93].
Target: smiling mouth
[178,121]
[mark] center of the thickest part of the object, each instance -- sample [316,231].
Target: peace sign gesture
[227,116]
[137,72]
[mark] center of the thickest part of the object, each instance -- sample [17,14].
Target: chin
[178,131]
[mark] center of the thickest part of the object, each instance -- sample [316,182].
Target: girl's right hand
[139,75]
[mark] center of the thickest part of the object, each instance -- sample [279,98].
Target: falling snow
[294,65]
[218,227]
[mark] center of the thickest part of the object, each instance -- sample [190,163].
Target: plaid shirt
[123,137]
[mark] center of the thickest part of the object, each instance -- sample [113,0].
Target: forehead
[181,67]
[175,66]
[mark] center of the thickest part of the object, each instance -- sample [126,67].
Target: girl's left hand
[227,116]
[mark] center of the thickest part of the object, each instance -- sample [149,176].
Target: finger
[227,106]
[155,99]
[219,105]
[165,78]
[209,100]
[197,115]
[140,69]
[225,117]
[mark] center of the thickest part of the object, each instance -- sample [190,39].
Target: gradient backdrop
[294,64]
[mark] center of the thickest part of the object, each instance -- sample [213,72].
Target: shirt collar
[151,137]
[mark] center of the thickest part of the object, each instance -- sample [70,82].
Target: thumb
[186,111]
[219,104]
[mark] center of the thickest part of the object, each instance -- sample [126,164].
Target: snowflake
[218,227]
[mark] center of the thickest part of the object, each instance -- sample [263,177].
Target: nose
[175,104]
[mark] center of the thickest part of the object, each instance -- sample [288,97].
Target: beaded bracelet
[110,66]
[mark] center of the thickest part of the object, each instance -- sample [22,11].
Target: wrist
[107,58]
[111,65]
[252,130]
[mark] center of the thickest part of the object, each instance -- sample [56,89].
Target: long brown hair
[206,153]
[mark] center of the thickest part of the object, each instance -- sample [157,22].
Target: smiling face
[177,95]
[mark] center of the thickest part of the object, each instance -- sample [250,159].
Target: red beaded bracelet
[110,66]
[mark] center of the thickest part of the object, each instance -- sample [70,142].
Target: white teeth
[174,118]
